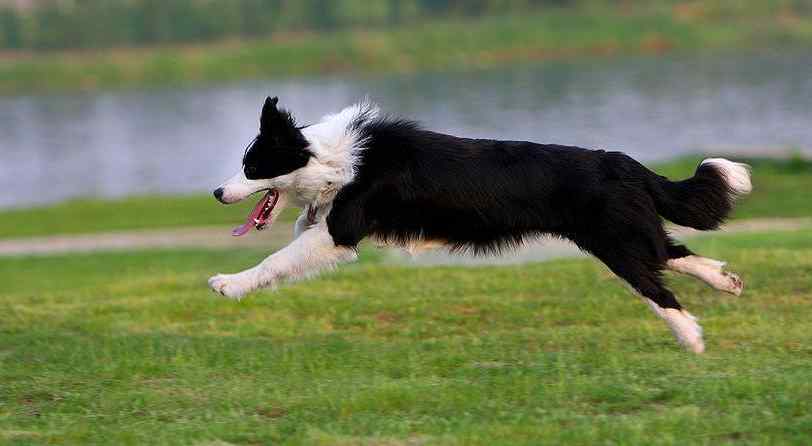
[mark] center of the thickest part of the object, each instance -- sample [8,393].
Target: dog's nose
[218,194]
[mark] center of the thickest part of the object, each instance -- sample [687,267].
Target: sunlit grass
[133,349]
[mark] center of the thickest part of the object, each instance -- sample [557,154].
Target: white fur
[238,187]
[302,223]
[310,253]
[334,142]
[683,324]
[710,271]
[737,175]
[335,149]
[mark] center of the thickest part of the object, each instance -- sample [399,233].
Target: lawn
[133,349]
[86,216]
[777,185]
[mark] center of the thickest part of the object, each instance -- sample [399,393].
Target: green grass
[777,186]
[134,213]
[439,45]
[132,349]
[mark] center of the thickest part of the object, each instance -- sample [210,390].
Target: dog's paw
[233,286]
[734,284]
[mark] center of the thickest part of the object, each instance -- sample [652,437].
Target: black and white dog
[360,174]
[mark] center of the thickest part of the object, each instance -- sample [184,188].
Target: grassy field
[487,42]
[133,349]
[133,213]
[777,183]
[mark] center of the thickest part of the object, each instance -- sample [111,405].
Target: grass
[134,213]
[132,349]
[438,45]
[777,183]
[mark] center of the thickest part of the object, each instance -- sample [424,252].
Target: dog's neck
[336,143]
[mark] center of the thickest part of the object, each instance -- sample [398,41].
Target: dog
[360,174]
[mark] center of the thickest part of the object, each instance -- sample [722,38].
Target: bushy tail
[705,200]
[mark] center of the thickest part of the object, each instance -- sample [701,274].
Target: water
[187,140]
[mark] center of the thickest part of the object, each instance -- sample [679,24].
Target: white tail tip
[737,175]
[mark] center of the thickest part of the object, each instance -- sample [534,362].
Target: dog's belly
[413,247]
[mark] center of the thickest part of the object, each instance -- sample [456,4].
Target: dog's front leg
[311,252]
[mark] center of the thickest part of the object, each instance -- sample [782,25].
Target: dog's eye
[250,171]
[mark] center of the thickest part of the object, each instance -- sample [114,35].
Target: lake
[186,140]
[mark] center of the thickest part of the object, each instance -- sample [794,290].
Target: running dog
[359,173]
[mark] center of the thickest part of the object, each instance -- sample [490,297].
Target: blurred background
[119,117]
[109,99]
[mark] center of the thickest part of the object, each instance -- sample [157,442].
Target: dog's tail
[705,200]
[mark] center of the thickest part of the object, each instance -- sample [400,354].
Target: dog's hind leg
[646,281]
[707,270]
[638,258]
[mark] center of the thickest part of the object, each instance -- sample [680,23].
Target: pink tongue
[253,217]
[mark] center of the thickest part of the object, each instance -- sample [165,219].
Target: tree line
[62,24]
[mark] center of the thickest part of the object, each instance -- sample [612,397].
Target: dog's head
[269,164]
[278,150]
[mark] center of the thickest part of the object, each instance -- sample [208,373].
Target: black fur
[483,196]
[702,202]
[280,147]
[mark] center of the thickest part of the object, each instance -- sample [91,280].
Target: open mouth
[259,218]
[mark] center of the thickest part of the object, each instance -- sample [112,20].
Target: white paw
[233,286]
[734,283]
[710,271]
[686,329]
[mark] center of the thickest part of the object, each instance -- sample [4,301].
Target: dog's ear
[270,103]
[278,126]
[269,112]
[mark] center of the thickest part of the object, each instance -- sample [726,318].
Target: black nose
[218,194]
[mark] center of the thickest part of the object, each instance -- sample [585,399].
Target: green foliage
[435,43]
[64,24]
[130,348]
[10,29]
[110,23]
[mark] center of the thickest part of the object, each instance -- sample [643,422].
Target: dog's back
[481,194]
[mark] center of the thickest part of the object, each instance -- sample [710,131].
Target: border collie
[360,174]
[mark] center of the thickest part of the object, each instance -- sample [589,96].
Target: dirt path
[202,237]
[281,233]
